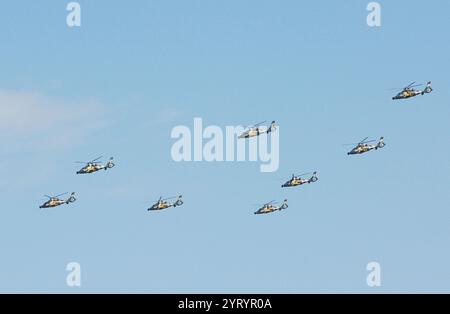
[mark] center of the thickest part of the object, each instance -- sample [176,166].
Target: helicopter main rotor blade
[96,159]
[168,198]
[412,85]
[159,199]
[356,143]
[264,203]
[403,88]
[303,174]
[257,124]
[363,140]
[48,196]
[60,194]
[88,162]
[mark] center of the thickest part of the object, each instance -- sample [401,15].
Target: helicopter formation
[90,167]
[361,147]
[94,166]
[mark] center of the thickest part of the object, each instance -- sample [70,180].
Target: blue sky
[117,86]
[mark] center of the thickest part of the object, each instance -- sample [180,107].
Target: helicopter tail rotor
[381,143]
[313,178]
[110,164]
[272,127]
[71,199]
[428,89]
[179,201]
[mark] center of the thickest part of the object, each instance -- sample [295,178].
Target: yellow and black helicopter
[56,201]
[164,203]
[95,165]
[409,91]
[297,180]
[257,129]
[364,146]
[271,207]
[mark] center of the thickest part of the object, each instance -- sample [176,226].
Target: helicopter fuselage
[160,206]
[266,210]
[252,133]
[90,168]
[52,203]
[408,93]
[361,149]
[295,182]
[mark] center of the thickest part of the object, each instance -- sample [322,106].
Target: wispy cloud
[30,118]
[169,115]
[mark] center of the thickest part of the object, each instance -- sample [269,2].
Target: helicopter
[257,130]
[364,147]
[297,180]
[95,165]
[409,91]
[163,203]
[56,201]
[271,207]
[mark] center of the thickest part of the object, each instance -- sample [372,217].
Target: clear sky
[117,86]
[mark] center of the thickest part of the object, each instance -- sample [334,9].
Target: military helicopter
[95,165]
[364,147]
[56,201]
[163,203]
[409,91]
[271,207]
[297,180]
[257,130]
